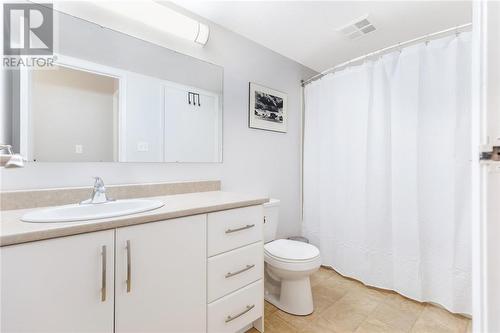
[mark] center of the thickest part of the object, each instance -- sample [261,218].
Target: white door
[142,131]
[59,285]
[491,183]
[161,276]
[192,126]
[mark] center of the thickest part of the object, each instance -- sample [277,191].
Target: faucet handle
[98,182]
[98,194]
[99,186]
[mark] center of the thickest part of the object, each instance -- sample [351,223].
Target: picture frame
[267,109]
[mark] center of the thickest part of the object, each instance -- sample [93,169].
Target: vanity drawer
[230,229]
[234,311]
[232,270]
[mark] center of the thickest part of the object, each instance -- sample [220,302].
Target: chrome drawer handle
[228,275]
[129,267]
[230,318]
[103,274]
[248,226]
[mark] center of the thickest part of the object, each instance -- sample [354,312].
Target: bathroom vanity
[193,265]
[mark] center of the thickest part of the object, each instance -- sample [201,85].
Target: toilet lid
[291,250]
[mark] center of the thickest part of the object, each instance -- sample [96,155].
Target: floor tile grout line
[412,326]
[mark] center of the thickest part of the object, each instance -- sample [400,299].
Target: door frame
[485,245]
[25,105]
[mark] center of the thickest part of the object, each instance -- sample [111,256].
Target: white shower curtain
[387,171]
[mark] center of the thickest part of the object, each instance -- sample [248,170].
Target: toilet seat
[290,250]
[292,255]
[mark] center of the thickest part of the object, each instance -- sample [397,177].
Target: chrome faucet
[98,193]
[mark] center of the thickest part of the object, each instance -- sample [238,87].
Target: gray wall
[84,40]
[255,161]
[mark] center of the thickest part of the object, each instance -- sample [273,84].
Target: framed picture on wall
[267,109]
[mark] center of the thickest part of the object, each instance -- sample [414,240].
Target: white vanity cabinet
[201,273]
[161,276]
[235,269]
[59,285]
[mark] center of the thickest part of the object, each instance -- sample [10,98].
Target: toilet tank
[271,219]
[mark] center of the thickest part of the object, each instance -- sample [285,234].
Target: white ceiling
[305,31]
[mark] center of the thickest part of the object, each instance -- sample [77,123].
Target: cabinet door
[59,285]
[161,276]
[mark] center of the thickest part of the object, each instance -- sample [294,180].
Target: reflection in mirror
[87,126]
[114,98]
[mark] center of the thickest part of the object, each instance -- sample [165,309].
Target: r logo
[28,29]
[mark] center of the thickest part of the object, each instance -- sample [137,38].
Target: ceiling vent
[357,28]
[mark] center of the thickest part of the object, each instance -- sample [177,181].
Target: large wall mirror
[111,97]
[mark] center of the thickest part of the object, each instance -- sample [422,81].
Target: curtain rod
[457,29]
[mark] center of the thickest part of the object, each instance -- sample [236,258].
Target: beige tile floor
[343,305]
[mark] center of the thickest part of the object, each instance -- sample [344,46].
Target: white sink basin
[78,212]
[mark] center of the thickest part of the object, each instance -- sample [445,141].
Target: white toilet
[288,265]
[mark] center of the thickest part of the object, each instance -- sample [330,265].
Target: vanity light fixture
[159,17]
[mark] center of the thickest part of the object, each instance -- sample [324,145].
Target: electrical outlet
[78,149]
[142,146]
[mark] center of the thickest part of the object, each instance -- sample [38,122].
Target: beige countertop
[14,231]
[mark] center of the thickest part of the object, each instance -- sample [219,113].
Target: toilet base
[294,296]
